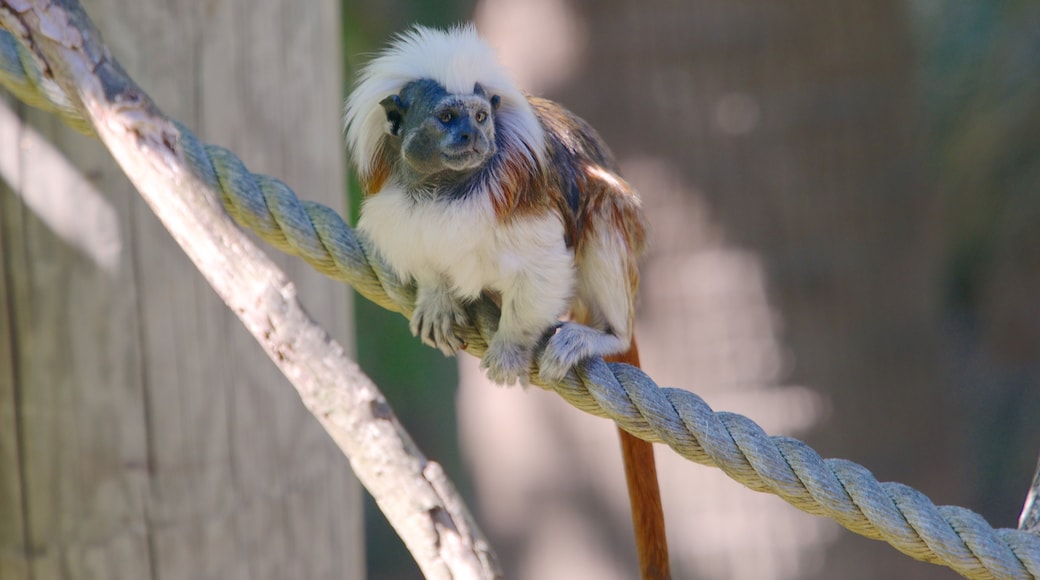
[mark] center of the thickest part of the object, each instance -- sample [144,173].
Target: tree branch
[1029,521]
[412,492]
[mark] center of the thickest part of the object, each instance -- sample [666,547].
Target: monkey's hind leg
[530,306]
[437,311]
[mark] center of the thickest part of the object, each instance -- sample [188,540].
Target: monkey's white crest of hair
[458,59]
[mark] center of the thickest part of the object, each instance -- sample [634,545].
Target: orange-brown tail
[644,494]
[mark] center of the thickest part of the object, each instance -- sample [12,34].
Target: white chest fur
[461,242]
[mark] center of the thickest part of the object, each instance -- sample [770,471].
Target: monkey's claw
[506,362]
[434,322]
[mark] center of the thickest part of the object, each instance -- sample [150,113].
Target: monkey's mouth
[462,159]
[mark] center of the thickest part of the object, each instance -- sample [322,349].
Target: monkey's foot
[506,362]
[434,319]
[571,344]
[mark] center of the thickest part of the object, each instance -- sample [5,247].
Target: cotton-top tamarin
[473,187]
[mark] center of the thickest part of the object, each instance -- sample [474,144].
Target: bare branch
[1029,521]
[413,492]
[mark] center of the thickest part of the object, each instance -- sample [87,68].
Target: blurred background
[844,201]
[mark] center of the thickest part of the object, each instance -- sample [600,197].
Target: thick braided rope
[835,488]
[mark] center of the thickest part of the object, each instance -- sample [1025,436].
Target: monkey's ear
[495,100]
[395,110]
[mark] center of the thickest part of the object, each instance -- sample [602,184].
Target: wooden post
[143,433]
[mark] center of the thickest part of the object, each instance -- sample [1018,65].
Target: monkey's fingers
[432,333]
[506,363]
[436,328]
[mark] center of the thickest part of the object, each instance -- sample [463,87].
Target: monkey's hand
[573,343]
[437,311]
[507,361]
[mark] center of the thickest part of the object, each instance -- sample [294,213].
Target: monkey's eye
[446,117]
[481,116]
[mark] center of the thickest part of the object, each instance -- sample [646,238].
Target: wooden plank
[283,42]
[158,439]
[13,563]
[79,402]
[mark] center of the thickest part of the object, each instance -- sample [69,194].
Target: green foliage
[980,65]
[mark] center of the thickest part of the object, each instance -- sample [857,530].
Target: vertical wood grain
[155,438]
[12,524]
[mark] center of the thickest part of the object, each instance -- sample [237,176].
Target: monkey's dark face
[441,131]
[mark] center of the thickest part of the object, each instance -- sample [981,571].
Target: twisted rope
[835,488]
[20,74]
